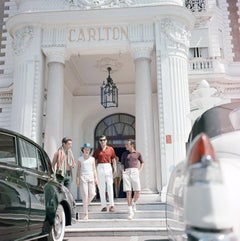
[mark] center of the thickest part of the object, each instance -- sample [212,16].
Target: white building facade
[55,55]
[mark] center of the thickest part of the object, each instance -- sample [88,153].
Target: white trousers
[105,183]
[87,189]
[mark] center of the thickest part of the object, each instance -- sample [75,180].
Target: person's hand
[114,173]
[78,181]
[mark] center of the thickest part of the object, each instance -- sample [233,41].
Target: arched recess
[117,128]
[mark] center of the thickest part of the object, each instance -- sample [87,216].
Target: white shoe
[134,207]
[130,213]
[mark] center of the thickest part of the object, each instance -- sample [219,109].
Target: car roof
[215,121]
[7,131]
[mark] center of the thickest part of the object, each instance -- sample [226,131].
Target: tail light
[205,199]
[202,162]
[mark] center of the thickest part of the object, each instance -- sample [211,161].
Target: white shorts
[131,180]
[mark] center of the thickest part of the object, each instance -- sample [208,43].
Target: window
[30,156]
[198,53]
[7,148]
[117,127]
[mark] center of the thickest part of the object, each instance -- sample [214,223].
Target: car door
[174,203]
[36,178]
[14,195]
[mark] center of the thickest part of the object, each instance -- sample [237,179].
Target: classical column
[144,114]
[27,83]
[172,42]
[55,100]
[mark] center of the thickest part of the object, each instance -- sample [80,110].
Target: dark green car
[33,205]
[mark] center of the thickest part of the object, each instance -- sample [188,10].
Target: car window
[30,156]
[7,148]
[217,120]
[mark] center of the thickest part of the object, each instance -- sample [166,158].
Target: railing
[196,5]
[200,64]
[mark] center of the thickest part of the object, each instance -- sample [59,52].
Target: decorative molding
[41,5]
[141,32]
[22,39]
[104,63]
[196,6]
[160,107]
[86,4]
[54,37]
[225,88]
[174,35]
[35,104]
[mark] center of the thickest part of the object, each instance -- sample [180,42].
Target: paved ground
[114,238]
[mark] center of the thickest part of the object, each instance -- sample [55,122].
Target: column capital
[173,36]
[55,54]
[22,39]
[142,50]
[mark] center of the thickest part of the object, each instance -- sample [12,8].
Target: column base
[164,194]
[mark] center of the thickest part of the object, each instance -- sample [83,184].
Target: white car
[203,195]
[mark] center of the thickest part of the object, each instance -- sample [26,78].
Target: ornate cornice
[42,5]
[85,4]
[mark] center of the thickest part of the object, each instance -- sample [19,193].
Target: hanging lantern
[109,92]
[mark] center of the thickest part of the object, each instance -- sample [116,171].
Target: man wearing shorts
[131,165]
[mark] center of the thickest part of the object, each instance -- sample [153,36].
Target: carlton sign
[101,33]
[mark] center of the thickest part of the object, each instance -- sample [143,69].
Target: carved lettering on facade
[96,34]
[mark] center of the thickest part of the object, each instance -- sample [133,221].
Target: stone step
[144,210]
[121,205]
[117,227]
[122,214]
[149,220]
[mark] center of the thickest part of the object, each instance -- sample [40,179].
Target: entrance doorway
[117,128]
[118,183]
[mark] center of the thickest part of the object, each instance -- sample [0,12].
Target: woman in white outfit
[86,177]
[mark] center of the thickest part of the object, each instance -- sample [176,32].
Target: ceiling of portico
[84,74]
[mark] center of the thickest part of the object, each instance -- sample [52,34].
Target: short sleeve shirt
[131,159]
[104,156]
[86,165]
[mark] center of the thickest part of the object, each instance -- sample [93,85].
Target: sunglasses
[102,140]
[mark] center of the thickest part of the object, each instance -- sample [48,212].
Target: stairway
[149,219]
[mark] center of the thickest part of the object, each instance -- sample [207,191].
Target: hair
[86,147]
[102,136]
[65,140]
[132,142]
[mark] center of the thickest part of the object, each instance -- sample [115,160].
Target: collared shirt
[104,156]
[131,159]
